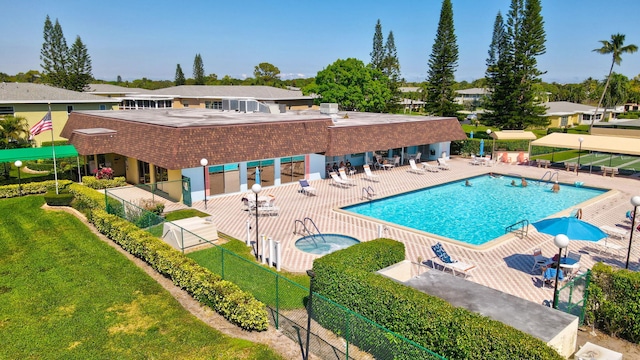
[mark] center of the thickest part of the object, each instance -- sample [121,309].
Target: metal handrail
[315,226]
[524,224]
[369,191]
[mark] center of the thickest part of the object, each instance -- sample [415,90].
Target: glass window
[69,109]
[6,110]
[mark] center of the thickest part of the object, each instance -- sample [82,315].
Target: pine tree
[54,55]
[79,67]
[391,69]
[512,73]
[198,70]
[118,79]
[179,80]
[378,53]
[442,64]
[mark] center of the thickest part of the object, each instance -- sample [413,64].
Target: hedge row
[613,304]
[14,190]
[95,183]
[226,298]
[347,277]
[86,199]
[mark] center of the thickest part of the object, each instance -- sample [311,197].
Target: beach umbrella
[574,228]
[257,175]
[481,147]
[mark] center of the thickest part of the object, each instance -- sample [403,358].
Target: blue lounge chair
[305,188]
[445,261]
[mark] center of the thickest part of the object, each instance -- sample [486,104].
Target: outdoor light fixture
[256,188]
[204,162]
[635,201]
[312,276]
[561,241]
[18,164]
[580,140]
[493,143]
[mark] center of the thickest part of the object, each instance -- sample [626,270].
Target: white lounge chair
[442,164]
[345,178]
[370,176]
[474,160]
[414,169]
[305,188]
[431,168]
[606,246]
[335,180]
[446,262]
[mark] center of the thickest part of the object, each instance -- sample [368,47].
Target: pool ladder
[522,226]
[305,229]
[368,193]
[555,174]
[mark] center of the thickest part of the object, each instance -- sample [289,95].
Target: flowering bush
[104,173]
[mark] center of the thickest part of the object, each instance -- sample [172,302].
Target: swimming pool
[474,214]
[325,243]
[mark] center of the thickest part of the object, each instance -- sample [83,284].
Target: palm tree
[616,49]
[14,132]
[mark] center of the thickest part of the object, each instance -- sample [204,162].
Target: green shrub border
[62,199]
[30,188]
[347,277]
[613,303]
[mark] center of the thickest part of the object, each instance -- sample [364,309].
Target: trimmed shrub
[613,303]
[347,277]
[86,199]
[62,199]
[14,190]
[98,184]
[226,298]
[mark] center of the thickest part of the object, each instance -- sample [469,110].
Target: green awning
[38,153]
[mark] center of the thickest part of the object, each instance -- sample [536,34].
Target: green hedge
[347,277]
[472,146]
[613,303]
[226,298]
[14,190]
[86,199]
[98,184]
[62,199]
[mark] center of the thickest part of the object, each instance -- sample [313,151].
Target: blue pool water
[474,214]
[325,243]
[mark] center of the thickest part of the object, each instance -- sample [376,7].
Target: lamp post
[580,140]
[18,164]
[493,143]
[635,201]
[312,276]
[204,162]
[256,188]
[561,241]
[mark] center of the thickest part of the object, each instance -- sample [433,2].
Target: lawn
[64,293]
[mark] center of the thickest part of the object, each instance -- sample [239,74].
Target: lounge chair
[431,168]
[606,246]
[345,178]
[539,261]
[414,169]
[417,158]
[442,164]
[370,176]
[335,180]
[615,231]
[444,260]
[305,188]
[474,160]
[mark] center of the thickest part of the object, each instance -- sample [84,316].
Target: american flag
[43,125]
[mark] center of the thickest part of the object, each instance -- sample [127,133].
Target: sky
[139,38]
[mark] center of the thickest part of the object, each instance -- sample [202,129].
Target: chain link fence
[572,297]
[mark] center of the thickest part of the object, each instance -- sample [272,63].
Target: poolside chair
[417,158]
[414,169]
[444,260]
[442,164]
[345,178]
[336,181]
[431,168]
[539,261]
[370,176]
[305,188]
[474,160]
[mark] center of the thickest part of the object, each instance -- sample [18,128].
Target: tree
[616,48]
[79,67]
[617,91]
[54,55]
[266,74]
[442,64]
[391,69]
[14,131]
[198,70]
[512,74]
[179,79]
[351,84]
[118,79]
[378,53]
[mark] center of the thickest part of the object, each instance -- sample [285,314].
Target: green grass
[65,294]
[184,214]
[257,279]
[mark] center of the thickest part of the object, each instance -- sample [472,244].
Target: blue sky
[136,39]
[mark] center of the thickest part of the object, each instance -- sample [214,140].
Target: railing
[572,297]
[522,225]
[368,192]
[305,229]
[555,174]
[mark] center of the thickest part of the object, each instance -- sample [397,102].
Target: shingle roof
[114,89]
[239,91]
[28,93]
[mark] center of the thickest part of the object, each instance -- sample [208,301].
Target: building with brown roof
[150,146]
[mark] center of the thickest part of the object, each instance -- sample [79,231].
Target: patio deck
[503,267]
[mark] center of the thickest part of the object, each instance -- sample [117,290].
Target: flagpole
[53,150]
